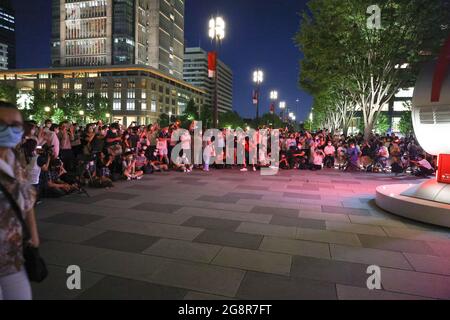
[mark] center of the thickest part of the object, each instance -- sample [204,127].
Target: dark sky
[259,34]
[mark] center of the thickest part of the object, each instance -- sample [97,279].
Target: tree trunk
[368,131]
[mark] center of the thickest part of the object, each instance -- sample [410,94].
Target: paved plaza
[233,235]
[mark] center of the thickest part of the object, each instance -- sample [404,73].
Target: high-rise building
[195,72]
[7,36]
[119,32]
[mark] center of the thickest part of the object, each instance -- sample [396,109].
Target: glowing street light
[81,113]
[217,31]
[47,109]
[258,78]
[274,95]
[282,105]
[217,28]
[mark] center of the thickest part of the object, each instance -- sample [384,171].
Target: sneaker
[254,169]
[129,179]
[139,178]
[244,170]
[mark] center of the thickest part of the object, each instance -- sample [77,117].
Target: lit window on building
[131,105]
[117,105]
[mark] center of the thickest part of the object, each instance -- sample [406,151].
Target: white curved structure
[428,202]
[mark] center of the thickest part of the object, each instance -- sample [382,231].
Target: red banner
[212,64]
[444,168]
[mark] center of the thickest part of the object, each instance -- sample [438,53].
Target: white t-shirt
[330,150]
[186,141]
[33,171]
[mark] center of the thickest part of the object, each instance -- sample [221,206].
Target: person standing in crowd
[330,152]
[65,137]
[14,282]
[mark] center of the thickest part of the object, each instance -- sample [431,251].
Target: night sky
[259,34]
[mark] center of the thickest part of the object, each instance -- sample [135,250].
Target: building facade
[7,36]
[136,93]
[119,32]
[196,73]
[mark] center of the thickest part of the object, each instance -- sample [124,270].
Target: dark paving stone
[218,199]
[232,179]
[302,196]
[144,187]
[249,196]
[121,241]
[157,207]
[212,223]
[113,288]
[345,182]
[82,198]
[304,187]
[193,183]
[230,239]
[262,286]
[254,188]
[276,211]
[277,179]
[298,222]
[347,273]
[342,210]
[393,244]
[73,219]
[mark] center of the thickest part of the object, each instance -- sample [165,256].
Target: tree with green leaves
[231,119]
[406,125]
[42,105]
[206,116]
[338,43]
[97,107]
[8,93]
[382,124]
[71,104]
[164,120]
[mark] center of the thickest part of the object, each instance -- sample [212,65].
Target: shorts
[163,152]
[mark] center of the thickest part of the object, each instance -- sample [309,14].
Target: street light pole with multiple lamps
[258,78]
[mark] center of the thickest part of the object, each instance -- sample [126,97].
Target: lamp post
[274,98]
[282,108]
[217,34]
[258,78]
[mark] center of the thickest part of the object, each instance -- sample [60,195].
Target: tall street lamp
[217,34]
[274,98]
[258,78]
[282,108]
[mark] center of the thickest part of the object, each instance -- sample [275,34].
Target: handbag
[34,264]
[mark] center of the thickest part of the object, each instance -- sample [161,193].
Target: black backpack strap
[18,211]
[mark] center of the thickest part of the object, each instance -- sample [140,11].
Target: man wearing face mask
[14,191]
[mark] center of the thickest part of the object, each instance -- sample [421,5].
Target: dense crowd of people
[53,160]
[60,158]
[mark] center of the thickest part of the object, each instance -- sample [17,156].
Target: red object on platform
[212,63]
[444,168]
[440,72]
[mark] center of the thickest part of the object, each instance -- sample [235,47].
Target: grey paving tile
[267,230]
[342,210]
[298,222]
[355,293]
[240,195]
[147,228]
[260,286]
[73,219]
[67,254]
[66,233]
[396,244]
[230,239]
[355,228]
[114,288]
[184,250]
[254,188]
[333,271]
[200,277]
[328,236]
[302,196]
[276,211]
[217,199]
[55,286]
[296,247]
[441,248]
[144,187]
[416,283]
[369,256]
[157,207]
[121,241]
[254,260]
[429,264]
[212,223]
